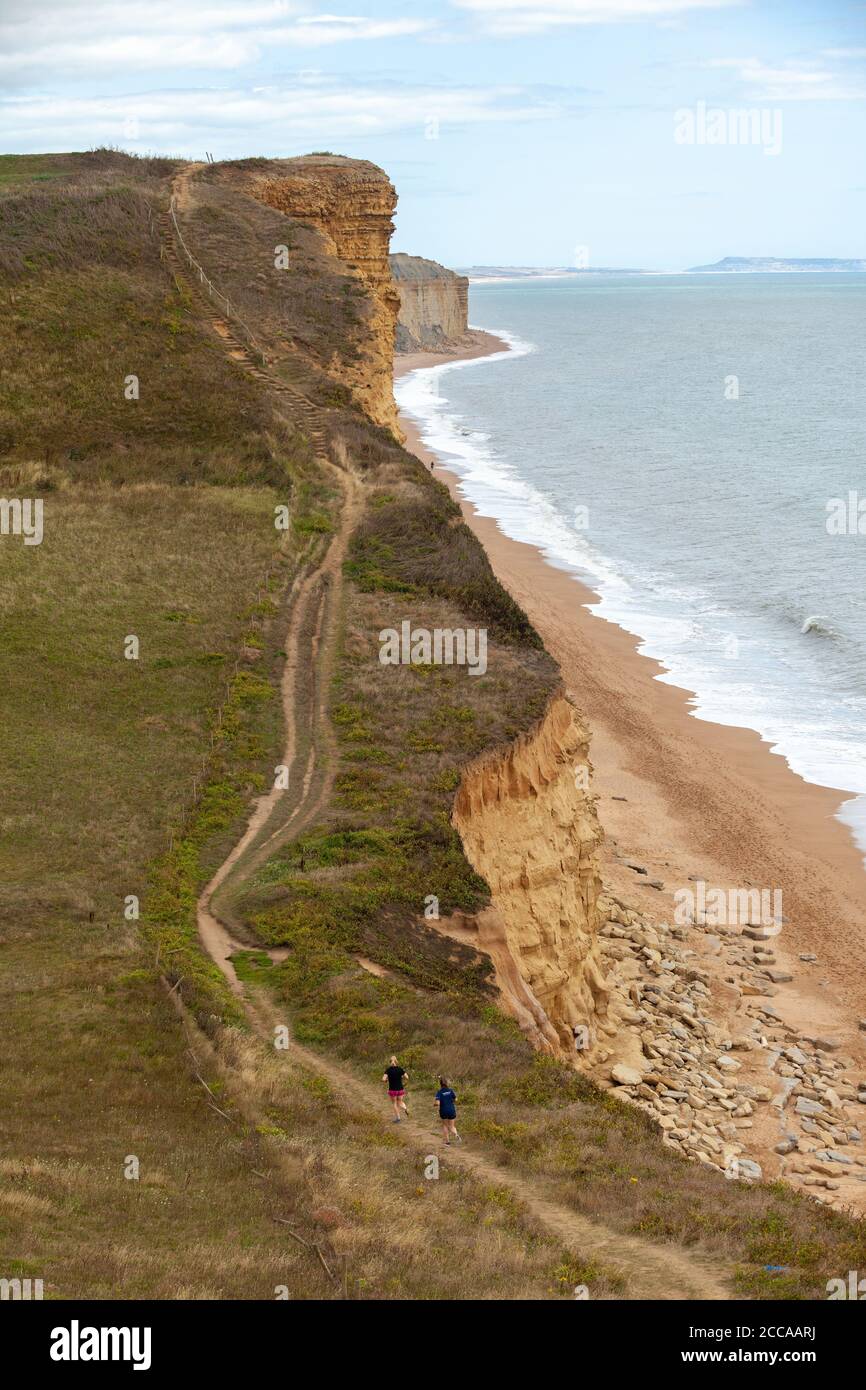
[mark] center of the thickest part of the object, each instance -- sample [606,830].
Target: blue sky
[517,131]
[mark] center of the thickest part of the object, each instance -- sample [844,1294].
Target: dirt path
[651,1271]
[284,811]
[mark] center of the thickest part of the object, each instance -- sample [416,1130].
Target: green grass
[103,763]
[356,885]
[134,778]
[130,779]
[159,523]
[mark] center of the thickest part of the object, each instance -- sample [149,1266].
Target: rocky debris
[747,1168]
[811,1181]
[625,1076]
[808,1107]
[710,1058]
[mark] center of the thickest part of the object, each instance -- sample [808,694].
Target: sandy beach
[686,798]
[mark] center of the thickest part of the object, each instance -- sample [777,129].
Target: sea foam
[680,625]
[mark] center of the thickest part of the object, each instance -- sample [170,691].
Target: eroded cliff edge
[351,202]
[434,305]
[525,815]
[529,827]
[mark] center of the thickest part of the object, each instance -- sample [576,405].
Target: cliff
[524,813]
[434,304]
[529,827]
[351,202]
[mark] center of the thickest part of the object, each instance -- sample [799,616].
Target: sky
[648,133]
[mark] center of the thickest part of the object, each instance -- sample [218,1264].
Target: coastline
[477,343]
[686,798]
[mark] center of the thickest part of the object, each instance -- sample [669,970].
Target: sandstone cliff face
[351,202]
[529,827]
[525,817]
[434,304]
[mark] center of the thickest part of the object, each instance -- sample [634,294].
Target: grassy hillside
[154,526]
[128,778]
[353,887]
[133,778]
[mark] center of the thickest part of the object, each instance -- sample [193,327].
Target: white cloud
[262,120]
[791,81]
[68,37]
[538,16]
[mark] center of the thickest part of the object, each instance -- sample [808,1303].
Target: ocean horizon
[687,446]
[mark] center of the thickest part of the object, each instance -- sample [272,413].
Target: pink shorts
[395,1095]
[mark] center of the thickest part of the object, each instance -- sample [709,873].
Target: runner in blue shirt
[446,1104]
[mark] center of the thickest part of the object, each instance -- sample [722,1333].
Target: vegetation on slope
[129,779]
[155,526]
[134,778]
[354,889]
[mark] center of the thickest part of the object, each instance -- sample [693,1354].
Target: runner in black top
[396,1079]
[446,1104]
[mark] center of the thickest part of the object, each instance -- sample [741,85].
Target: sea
[693,447]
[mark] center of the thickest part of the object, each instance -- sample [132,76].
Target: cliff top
[325,176]
[405,267]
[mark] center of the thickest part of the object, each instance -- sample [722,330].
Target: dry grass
[401,1233]
[314,307]
[357,885]
[102,763]
[102,166]
[159,522]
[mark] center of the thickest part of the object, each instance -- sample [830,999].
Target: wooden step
[305,413]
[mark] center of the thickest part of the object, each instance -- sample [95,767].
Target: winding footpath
[650,1271]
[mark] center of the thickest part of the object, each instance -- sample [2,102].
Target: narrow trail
[651,1271]
[303,412]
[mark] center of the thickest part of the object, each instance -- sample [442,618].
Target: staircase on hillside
[303,412]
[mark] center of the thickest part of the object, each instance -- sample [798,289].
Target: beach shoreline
[686,798]
[477,343]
